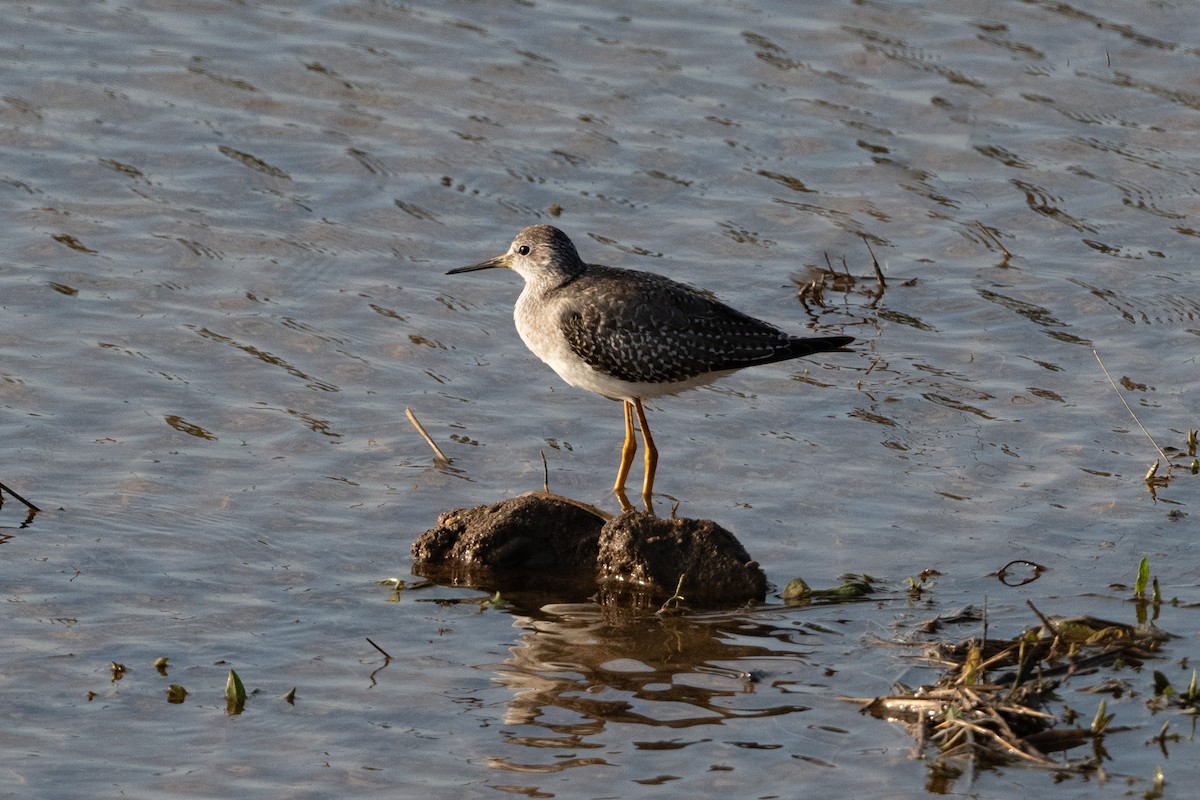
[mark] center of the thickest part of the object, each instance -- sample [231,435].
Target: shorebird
[631,335]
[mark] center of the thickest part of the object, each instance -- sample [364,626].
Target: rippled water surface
[226,228]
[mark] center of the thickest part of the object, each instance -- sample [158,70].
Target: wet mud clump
[520,542]
[546,543]
[644,560]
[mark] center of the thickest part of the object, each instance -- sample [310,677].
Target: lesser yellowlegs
[631,335]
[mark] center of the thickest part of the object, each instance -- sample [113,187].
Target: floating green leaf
[855,586]
[397,585]
[176,693]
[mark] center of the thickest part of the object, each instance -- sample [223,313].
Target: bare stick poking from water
[545,474]
[875,265]
[1049,623]
[437,451]
[387,659]
[386,654]
[1130,410]
[29,505]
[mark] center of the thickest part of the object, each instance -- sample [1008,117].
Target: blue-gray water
[225,228]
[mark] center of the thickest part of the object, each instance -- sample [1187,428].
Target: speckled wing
[642,327]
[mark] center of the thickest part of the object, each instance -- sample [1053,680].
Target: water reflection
[225,226]
[578,670]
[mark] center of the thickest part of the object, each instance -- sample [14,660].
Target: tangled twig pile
[991,705]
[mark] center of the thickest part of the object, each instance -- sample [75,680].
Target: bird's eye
[523,250]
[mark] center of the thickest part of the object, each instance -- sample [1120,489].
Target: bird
[631,335]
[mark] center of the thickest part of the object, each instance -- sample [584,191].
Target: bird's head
[539,254]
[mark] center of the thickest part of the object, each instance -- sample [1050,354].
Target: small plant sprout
[1157,789]
[972,668]
[495,601]
[1143,579]
[235,694]
[1102,718]
[674,603]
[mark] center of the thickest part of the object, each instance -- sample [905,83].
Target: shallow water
[226,230]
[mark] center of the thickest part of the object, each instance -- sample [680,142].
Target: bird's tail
[806,346]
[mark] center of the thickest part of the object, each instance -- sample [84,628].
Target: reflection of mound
[549,544]
[579,669]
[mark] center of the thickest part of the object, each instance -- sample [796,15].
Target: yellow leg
[627,453]
[651,457]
